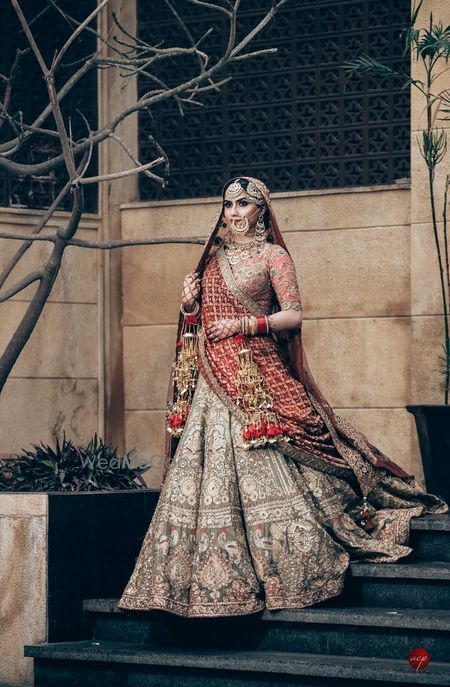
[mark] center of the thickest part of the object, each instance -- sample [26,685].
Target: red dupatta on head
[296,353]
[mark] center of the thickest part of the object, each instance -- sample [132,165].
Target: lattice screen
[30,97]
[287,118]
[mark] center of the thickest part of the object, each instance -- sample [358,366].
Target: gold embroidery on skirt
[236,531]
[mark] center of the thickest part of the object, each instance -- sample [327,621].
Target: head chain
[252,192]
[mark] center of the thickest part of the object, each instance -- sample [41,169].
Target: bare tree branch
[36,230]
[257,53]
[50,82]
[34,310]
[135,160]
[231,54]
[162,153]
[20,286]
[9,83]
[210,6]
[74,22]
[27,237]
[120,243]
[5,116]
[47,111]
[203,58]
[78,30]
[119,175]
[29,36]
[249,37]
[129,57]
[212,86]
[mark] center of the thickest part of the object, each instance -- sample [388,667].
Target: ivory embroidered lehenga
[240,529]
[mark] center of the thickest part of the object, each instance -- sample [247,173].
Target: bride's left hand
[222,329]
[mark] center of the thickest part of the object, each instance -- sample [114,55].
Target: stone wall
[56,380]
[353,258]
[23,581]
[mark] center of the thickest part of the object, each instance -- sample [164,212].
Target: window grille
[291,119]
[29,96]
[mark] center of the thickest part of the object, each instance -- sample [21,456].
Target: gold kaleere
[185,376]
[262,425]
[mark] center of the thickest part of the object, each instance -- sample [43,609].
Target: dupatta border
[366,472]
[212,381]
[288,449]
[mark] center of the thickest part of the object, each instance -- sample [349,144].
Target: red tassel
[271,430]
[366,522]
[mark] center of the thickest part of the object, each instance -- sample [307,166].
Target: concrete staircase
[361,638]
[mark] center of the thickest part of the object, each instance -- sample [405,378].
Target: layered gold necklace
[238,251]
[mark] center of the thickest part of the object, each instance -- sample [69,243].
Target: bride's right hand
[191,289]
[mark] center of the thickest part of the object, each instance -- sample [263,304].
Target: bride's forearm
[285,319]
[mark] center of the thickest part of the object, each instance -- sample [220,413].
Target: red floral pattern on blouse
[269,275]
[284,279]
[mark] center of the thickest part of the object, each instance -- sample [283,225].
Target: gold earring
[260,231]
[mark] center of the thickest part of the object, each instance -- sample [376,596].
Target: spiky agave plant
[430,46]
[71,468]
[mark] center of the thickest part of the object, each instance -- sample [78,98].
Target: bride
[267,494]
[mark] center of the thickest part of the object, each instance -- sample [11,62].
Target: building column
[115,94]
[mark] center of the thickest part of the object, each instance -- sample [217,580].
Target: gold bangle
[193,312]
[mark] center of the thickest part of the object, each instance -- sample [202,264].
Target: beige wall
[54,385]
[352,253]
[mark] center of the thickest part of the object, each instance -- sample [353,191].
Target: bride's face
[237,209]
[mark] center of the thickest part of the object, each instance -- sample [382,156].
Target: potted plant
[71,468]
[95,510]
[430,47]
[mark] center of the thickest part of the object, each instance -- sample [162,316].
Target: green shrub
[70,468]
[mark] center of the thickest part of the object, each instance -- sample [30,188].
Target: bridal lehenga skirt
[237,530]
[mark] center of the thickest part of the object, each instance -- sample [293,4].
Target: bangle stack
[192,312]
[250,326]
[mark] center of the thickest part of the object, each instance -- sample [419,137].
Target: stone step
[89,664]
[430,537]
[416,584]
[381,632]
[413,585]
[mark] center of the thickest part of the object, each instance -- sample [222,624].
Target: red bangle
[262,325]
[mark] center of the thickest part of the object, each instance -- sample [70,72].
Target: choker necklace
[238,251]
